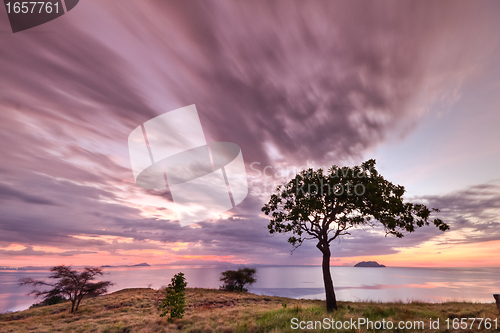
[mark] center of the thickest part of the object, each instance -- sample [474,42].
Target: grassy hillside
[208,310]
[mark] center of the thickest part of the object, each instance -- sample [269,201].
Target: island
[368,264]
[138,265]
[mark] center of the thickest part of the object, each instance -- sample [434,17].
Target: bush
[49,301]
[175,298]
[236,280]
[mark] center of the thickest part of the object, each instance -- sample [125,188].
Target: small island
[142,264]
[138,265]
[368,264]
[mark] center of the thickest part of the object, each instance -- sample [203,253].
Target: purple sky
[413,84]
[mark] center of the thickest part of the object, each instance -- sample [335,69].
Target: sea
[386,284]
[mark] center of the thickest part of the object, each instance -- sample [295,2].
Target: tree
[71,284]
[323,207]
[175,297]
[236,280]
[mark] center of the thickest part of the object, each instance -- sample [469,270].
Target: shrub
[49,301]
[175,298]
[236,280]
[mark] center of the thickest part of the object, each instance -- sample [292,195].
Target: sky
[411,84]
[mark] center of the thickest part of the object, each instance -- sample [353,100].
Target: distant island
[138,265]
[41,268]
[368,264]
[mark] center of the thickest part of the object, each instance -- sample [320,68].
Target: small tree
[325,206]
[71,284]
[236,280]
[175,298]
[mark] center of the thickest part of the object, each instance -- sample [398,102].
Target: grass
[209,310]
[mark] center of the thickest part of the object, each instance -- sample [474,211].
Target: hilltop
[210,310]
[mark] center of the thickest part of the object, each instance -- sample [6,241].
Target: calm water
[351,283]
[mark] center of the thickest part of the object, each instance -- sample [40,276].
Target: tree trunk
[73,305]
[331,301]
[78,303]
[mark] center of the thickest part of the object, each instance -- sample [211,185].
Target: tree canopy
[236,280]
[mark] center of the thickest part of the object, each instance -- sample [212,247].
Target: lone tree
[71,284]
[323,207]
[236,280]
[175,298]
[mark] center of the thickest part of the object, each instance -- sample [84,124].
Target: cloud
[338,77]
[473,213]
[7,192]
[29,251]
[288,83]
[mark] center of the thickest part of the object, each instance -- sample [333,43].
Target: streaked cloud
[289,83]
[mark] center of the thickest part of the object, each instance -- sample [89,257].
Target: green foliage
[316,204]
[236,280]
[175,298]
[50,301]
